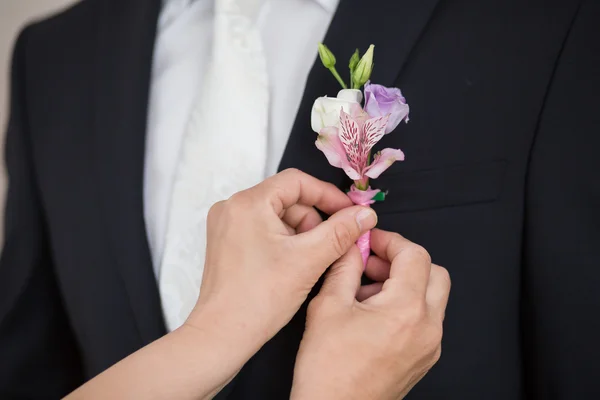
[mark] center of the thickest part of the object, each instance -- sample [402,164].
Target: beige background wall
[13,15]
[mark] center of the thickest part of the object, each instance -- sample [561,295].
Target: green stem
[338,77]
[362,184]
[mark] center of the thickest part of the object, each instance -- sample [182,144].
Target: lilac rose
[381,100]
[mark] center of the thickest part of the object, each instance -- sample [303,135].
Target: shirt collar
[165,2]
[180,4]
[328,5]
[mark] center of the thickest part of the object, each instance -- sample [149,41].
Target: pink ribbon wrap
[363,198]
[364,245]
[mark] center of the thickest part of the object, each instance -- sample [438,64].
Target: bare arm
[188,363]
[266,249]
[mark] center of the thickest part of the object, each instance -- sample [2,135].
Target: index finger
[410,263]
[296,187]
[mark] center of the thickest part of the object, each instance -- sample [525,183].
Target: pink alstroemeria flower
[349,146]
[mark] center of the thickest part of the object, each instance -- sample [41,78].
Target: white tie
[224,150]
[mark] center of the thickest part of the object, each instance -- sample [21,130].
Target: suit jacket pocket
[441,187]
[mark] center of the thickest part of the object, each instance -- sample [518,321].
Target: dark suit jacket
[500,184]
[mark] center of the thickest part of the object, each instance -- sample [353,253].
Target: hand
[267,247]
[381,347]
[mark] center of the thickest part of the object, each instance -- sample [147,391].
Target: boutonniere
[347,130]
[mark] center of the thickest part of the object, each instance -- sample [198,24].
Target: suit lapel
[125,45]
[394,27]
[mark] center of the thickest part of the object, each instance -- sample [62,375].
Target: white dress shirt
[290,29]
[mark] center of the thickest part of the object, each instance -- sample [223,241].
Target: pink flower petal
[374,129]
[358,115]
[382,161]
[351,172]
[356,111]
[329,143]
[362,197]
[349,134]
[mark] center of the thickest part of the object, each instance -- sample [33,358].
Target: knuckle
[215,209]
[236,198]
[443,275]
[341,239]
[436,332]
[215,212]
[429,358]
[395,240]
[230,211]
[240,201]
[419,251]
[291,172]
[434,342]
[395,236]
[278,192]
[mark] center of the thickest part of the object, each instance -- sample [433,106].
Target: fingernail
[366,218]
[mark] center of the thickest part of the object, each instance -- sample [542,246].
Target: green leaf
[379,196]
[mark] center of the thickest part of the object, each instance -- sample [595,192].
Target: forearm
[193,362]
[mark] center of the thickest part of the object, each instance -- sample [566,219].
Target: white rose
[326,110]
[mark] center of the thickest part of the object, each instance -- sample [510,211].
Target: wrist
[234,333]
[324,382]
[217,360]
[318,392]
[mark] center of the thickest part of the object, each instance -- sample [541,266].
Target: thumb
[331,239]
[343,278]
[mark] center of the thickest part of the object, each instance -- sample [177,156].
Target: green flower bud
[354,61]
[363,70]
[327,57]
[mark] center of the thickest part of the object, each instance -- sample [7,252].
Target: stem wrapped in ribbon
[347,132]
